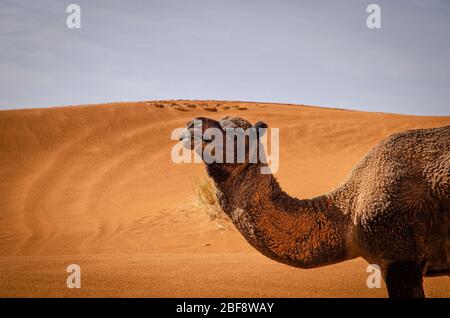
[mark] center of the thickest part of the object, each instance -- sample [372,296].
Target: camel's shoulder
[401,186]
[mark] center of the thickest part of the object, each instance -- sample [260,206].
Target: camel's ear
[258,125]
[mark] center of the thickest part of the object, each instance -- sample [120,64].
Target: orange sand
[95,186]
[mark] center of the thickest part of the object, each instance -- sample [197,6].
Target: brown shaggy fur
[393,210]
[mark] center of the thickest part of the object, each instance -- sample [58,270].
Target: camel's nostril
[186,135]
[182,135]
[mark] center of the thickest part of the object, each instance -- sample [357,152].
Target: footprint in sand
[180,108]
[239,107]
[211,109]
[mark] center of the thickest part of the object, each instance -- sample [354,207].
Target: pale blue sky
[308,52]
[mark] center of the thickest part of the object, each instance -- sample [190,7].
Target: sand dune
[95,185]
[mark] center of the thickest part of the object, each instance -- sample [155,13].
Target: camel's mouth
[191,140]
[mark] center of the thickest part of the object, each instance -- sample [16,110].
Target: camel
[393,210]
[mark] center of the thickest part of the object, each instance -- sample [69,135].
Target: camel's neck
[302,233]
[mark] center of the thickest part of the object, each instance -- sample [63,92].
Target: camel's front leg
[404,280]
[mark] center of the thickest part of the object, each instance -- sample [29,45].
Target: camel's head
[214,139]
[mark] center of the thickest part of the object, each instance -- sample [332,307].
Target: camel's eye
[208,138]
